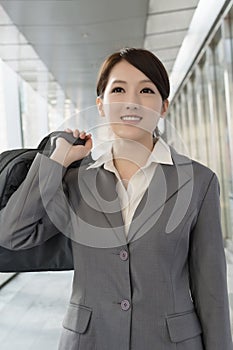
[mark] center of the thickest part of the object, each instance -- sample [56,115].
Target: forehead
[125,71]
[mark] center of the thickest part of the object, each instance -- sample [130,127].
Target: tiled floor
[32,307]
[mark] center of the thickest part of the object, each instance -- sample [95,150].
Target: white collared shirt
[139,182]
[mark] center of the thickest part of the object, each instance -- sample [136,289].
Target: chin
[134,134]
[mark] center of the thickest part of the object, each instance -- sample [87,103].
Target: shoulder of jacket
[198,167]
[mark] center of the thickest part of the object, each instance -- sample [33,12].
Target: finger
[88,144]
[82,134]
[68,130]
[76,133]
[88,136]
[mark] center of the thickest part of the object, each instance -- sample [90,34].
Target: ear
[164,108]
[99,103]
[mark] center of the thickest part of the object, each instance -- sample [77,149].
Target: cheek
[150,119]
[113,110]
[154,104]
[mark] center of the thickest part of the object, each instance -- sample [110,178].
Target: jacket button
[124,255]
[125,305]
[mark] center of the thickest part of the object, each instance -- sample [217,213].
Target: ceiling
[64,41]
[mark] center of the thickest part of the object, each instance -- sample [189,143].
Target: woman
[150,269]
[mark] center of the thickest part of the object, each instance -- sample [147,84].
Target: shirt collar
[160,154]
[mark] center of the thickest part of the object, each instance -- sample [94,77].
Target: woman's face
[131,103]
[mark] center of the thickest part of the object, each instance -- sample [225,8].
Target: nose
[132,100]
[132,106]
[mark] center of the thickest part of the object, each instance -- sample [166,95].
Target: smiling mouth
[131,118]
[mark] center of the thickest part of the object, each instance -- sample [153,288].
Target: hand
[66,153]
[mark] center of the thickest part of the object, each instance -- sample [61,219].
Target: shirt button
[124,255]
[125,305]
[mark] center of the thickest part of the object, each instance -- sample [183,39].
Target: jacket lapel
[100,191]
[168,181]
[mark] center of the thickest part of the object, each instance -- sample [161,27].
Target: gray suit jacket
[164,287]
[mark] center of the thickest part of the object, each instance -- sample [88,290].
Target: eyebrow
[146,81]
[125,82]
[119,81]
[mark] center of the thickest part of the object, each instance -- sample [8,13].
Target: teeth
[131,117]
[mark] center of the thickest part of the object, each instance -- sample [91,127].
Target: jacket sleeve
[38,204]
[208,277]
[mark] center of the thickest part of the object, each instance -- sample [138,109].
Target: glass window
[34,114]
[10,130]
[170,126]
[3,134]
[227,28]
[185,123]
[201,140]
[202,111]
[192,117]
[208,116]
[223,134]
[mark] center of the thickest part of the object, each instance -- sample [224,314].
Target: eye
[117,90]
[147,91]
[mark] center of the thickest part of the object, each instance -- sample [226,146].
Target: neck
[133,152]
